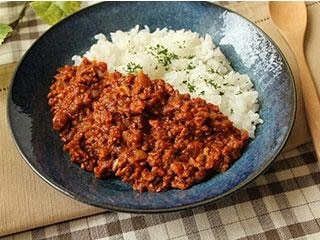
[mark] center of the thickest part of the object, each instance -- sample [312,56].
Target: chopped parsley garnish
[162,54]
[212,83]
[239,92]
[191,87]
[190,66]
[132,67]
[190,56]
[228,84]
[212,70]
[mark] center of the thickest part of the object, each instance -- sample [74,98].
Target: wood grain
[290,19]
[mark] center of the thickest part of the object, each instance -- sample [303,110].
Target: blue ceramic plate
[246,46]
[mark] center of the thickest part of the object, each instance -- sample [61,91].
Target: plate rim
[266,164]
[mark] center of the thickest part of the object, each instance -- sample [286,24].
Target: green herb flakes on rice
[189,62]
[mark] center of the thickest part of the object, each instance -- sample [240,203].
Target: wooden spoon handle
[311,101]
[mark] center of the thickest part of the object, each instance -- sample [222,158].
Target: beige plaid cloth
[283,203]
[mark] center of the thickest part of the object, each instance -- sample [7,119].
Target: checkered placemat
[30,28]
[283,203]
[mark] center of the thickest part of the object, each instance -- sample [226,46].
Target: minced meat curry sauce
[141,130]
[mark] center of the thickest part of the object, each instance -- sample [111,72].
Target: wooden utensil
[290,19]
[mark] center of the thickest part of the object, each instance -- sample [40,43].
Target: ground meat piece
[141,130]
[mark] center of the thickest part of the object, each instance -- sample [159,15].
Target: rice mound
[189,62]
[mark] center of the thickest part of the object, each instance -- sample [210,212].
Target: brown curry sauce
[141,130]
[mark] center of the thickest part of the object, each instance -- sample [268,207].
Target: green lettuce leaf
[5,29]
[53,12]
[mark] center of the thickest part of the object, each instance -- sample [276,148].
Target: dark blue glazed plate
[249,50]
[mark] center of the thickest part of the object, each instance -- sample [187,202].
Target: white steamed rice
[189,62]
